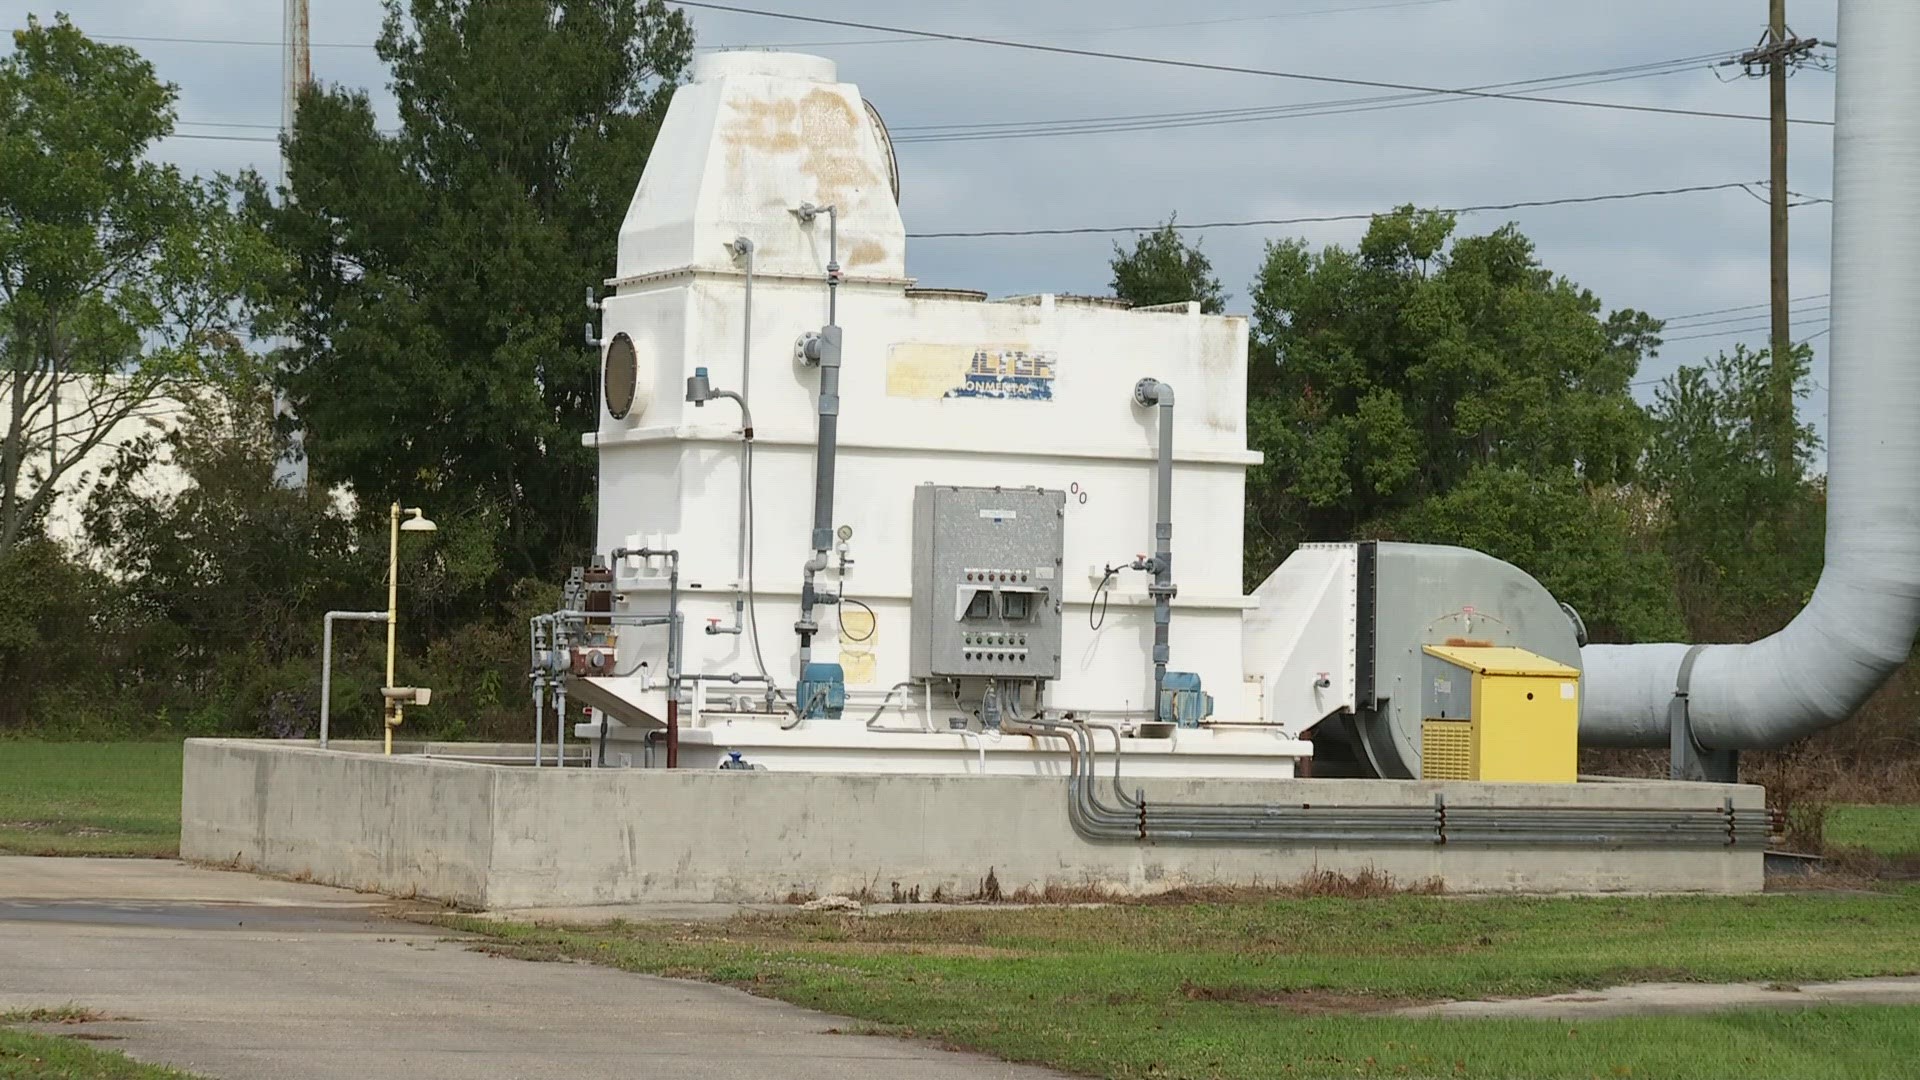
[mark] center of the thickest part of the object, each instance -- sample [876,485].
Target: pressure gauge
[845,533]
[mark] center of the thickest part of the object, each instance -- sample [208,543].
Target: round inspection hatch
[621,376]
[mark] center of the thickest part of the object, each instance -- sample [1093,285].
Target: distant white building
[80,407]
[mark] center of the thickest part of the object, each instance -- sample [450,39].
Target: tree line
[402,313]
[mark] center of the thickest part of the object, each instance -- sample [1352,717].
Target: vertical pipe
[560,722]
[823,473]
[389,709]
[823,349]
[673,732]
[673,660]
[833,266]
[745,247]
[1148,393]
[536,663]
[539,719]
[326,675]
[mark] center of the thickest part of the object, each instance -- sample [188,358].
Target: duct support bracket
[1687,759]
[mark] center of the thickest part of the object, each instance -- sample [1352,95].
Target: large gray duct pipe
[1860,624]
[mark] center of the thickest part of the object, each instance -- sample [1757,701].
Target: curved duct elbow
[1860,624]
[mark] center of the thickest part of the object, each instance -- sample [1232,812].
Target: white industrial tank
[851,524]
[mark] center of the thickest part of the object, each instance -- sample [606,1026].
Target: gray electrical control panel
[986,581]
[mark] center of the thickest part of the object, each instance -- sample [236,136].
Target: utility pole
[1777,51]
[297,68]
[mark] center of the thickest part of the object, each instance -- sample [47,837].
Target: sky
[1670,256]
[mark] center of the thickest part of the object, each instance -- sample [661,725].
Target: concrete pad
[234,976]
[492,837]
[1656,999]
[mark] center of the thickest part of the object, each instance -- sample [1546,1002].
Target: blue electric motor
[822,692]
[1182,701]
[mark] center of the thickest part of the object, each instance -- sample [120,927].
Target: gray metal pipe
[535,667]
[743,249]
[539,719]
[560,723]
[1148,393]
[822,349]
[828,450]
[326,662]
[1860,624]
[620,618]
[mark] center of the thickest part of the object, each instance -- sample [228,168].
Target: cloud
[1667,256]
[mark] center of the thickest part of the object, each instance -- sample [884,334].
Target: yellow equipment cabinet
[1497,713]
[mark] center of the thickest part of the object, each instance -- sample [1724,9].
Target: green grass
[58,1014]
[1884,830]
[1294,987]
[28,1056]
[89,798]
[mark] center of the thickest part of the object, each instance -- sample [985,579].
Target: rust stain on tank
[822,136]
[866,253]
[830,129]
[762,125]
[1219,362]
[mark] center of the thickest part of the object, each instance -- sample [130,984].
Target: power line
[1741,326]
[1808,340]
[1805,200]
[917,39]
[1231,69]
[1742,307]
[1730,319]
[228,41]
[1727,333]
[972,132]
[1650,67]
[905,37]
[1319,219]
[959,132]
[1382,5]
[230,124]
[220,138]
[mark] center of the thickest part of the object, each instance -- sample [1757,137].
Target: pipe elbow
[1150,392]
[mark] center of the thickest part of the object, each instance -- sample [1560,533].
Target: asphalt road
[238,977]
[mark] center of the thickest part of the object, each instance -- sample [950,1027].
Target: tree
[1746,537]
[1162,269]
[120,279]
[1582,545]
[1384,376]
[440,269]
[212,616]
[234,561]
[46,623]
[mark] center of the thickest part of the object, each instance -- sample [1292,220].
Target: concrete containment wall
[399,825]
[488,836]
